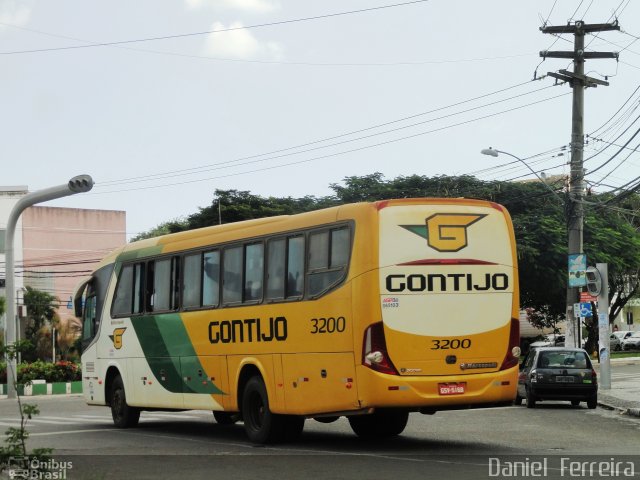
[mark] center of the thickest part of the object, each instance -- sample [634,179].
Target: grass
[624,354]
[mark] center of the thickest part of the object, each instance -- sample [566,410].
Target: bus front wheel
[123,415]
[381,423]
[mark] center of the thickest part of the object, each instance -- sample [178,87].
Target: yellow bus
[369,311]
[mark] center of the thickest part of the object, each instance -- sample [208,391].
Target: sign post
[603,328]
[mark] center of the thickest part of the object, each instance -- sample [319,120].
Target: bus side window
[328,259]
[123,301]
[275,269]
[192,281]
[89,324]
[164,291]
[295,267]
[211,279]
[129,291]
[232,275]
[253,272]
[285,269]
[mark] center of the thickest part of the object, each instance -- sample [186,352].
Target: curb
[39,387]
[633,412]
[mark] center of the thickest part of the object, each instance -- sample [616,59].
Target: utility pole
[578,82]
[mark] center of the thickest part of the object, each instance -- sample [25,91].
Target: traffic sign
[585,309]
[587,297]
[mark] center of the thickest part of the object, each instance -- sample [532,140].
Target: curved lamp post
[79,184]
[492,152]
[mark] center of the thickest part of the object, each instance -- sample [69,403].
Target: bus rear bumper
[424,393]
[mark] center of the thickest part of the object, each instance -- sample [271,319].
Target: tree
[172,226]
[40,312]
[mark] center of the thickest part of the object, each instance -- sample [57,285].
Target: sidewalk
[624,395]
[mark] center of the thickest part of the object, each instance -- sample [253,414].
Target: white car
[550,340]
[623,334]
[632,342]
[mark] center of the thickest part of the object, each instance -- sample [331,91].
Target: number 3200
[453,344]
[328,325]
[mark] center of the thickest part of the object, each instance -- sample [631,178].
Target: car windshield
[563,359]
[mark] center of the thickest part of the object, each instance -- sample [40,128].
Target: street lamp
[79,184]
[492,152]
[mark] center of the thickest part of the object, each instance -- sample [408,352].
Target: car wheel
[592,402]
[575,403]
[123,415]
[518,400]
[617,348]
[531,400]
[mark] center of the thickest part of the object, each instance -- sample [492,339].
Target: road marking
[65,432]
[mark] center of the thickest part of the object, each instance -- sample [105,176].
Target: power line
[199,169]
[366,147]
[222,30]
[235,163]
[281,62]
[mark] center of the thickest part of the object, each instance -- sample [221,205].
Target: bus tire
[293,426]
[261,425]
[226,418]
[381,423]
[124,416]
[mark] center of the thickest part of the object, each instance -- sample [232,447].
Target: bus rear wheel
[261,425]
[381,423]
[124,416]
[226,418]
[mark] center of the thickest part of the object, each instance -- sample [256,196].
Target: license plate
[565,379]
[452,388]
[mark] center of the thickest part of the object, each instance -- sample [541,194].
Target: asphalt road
[457,444]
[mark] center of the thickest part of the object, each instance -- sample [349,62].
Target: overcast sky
[161,124]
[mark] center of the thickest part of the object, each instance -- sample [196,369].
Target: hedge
[62,371]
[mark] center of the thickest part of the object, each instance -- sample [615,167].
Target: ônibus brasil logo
[446,232]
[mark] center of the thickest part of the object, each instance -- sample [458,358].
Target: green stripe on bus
[165,341]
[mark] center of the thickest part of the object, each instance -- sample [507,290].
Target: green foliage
[62,371]
[172,226]
[16,437]
[41,312]
[3,305]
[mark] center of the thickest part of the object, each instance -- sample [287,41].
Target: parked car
[615,343]
[557,373]
[632,342]
[615,340]
[623,334]
[550,340]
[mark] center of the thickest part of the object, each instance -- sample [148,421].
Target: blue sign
[577,270]
[585,310]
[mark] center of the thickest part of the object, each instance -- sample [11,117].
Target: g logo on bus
[446,232]
[116,338]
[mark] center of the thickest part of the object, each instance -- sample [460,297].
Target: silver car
[632,342]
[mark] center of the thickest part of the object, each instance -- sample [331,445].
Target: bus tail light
[374,350]
[512,357]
